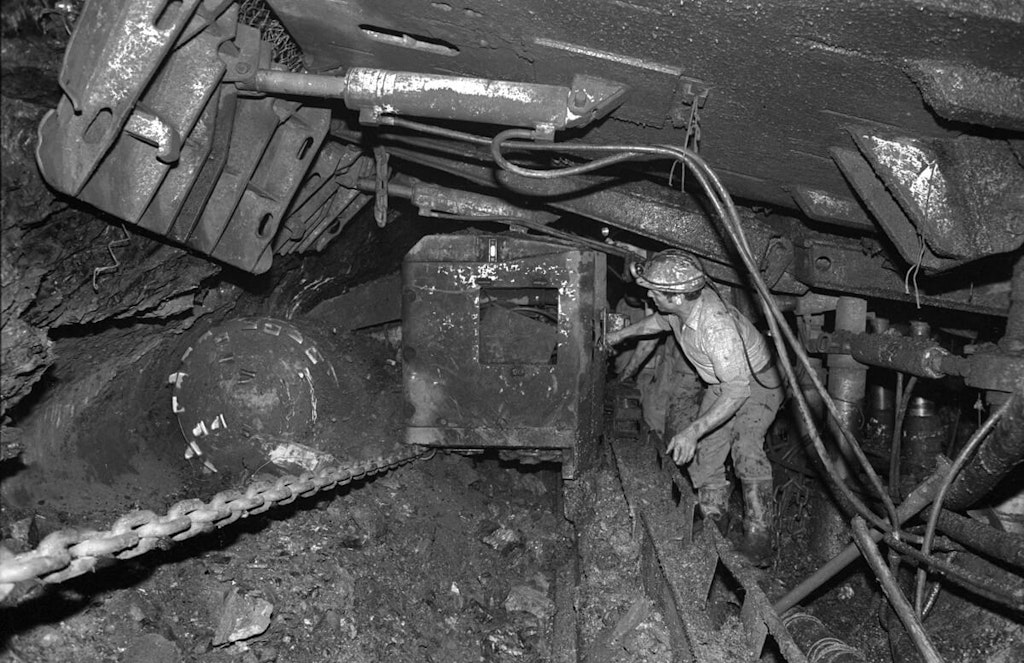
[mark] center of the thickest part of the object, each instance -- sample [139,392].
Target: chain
[72,552]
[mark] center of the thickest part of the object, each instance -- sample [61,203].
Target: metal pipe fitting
[991,369]
[847,378]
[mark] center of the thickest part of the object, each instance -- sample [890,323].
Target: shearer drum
[250,395]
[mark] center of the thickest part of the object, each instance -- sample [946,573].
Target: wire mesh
[259,15]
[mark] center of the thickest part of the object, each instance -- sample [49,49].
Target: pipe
[881,404]
[923,357]
[847,385]
[915,502]
[906,354]
[1004,546]
[969,449]
[299,85]
[1003,451]
[892,591]
[847,377]
[1011,597]
[924,436]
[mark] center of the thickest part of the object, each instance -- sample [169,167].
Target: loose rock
[243,618]
[152,648]
[504,539]
[524,598]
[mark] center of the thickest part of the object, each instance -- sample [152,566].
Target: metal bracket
[155,131]
[243,58]
[380,189]
[591,98]
[690,94]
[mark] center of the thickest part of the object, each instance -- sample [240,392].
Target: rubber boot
[758,516]
[714,505]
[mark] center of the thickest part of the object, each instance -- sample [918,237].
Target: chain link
[73,552]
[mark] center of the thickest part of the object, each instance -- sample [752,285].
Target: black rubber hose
[1003,451]
[981,538]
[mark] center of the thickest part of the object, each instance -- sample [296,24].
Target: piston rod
[377,93]
[923,357]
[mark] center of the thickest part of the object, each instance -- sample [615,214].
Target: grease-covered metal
[499,343]
[116,49]
[378,92]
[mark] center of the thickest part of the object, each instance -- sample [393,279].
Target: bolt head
[242,68]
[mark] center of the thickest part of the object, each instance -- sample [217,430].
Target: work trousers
[671,393]
[743,435]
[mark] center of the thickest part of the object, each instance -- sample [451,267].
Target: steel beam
[857,268]
[827,263]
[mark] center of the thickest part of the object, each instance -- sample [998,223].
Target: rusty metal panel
[256,120]
[327,200]
[965,196]
[331,219]
[888,214]
[963,93]
[827,208]
[316,188]
[246,241]
[129,176]
[114,52]
[499,341]
[169,199]
[209,170]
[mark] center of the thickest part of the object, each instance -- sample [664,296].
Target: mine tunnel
[604,331]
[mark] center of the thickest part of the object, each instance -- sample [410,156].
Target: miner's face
[660,299]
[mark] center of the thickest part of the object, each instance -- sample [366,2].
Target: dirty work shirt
[721,343]
[732,357]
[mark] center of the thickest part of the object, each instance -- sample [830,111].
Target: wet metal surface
[499,343]
[964,196]
[963,93]
[841,266]
[782,78]
[113,54]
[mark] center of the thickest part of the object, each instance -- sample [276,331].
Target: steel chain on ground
[71,552]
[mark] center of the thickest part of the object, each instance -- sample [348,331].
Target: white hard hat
[673,271]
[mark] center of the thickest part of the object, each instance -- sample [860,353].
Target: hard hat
[670,271]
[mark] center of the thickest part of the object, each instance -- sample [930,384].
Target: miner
[743,391]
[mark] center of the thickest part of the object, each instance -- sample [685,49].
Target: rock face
[25,350]
[63,267]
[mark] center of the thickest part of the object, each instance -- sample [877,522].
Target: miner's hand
[612,338]
[683,446]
